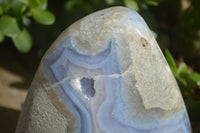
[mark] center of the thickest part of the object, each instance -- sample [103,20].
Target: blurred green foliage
[189,83]
[15,17]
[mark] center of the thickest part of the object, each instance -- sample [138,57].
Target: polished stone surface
[105,74]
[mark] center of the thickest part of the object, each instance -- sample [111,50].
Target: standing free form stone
[104,74]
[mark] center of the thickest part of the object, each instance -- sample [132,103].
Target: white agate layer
[106,74]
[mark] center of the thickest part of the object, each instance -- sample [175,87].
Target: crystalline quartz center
[105,74]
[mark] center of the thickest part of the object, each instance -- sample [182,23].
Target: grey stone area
[105,74]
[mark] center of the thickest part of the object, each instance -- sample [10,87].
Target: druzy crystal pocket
[105,74]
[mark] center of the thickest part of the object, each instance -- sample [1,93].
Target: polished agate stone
[104,74]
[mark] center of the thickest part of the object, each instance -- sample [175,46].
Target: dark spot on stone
[87,86]
[144,42]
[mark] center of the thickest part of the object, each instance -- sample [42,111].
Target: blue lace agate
[113,77]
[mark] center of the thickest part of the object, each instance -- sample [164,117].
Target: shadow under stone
[8,120]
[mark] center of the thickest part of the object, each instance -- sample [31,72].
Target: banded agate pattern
[105,74]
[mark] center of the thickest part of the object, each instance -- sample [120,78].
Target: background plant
[15,17]
[189,83]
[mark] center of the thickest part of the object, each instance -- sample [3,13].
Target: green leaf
[182,69]
[9,26]
[1,10]
[182,83]
[191,84]
[6,5]
[41,2]
[171,61]
[151,2]
[17,8]
[32,3]
[23,42]
[35,3]
[44,6]
[44,17]
[110,2]
[25,1]
[1,37]
[195,77]
[131,4]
